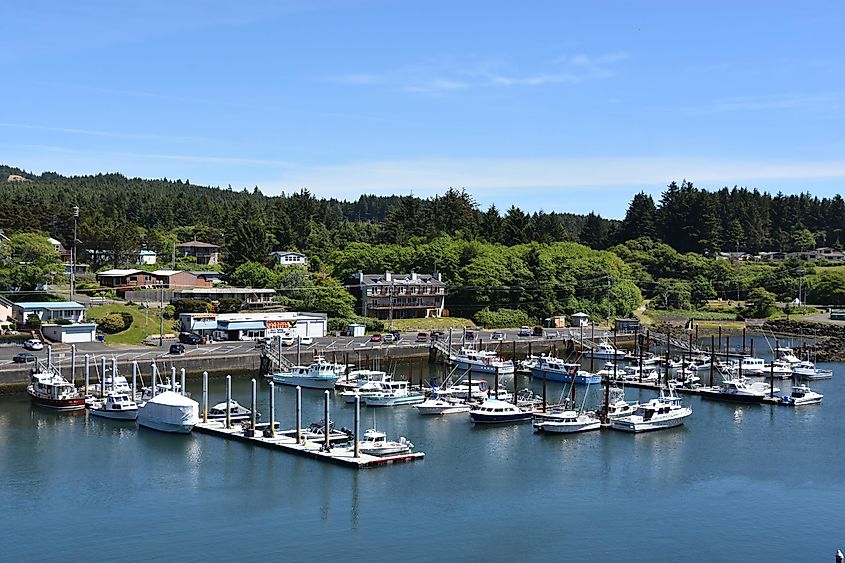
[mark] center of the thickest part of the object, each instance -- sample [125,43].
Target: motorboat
[494,411]
[788,355]
[802,395]
[372,383]
[316,432]
[555,369]
[357,378]
[524,366]
[665,411]
[734,390]
[116,406]
[567,421]
[393,393]
[617,406]
[167,385]
[441,403]
[807,370]
[475,388]
[779,369]
[169,412]
[236,411]
[633,375]
[606,351]
[482,361]
[49,389]
[376,443]
[318,375]
[748,366]
[527,399]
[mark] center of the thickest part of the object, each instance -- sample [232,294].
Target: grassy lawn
[431,324]
[144,322]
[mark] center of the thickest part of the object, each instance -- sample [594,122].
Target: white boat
[802,395]
[441,403]
[49,389]
[236,411]
[524,366]
[493,411]
[779,369]
[606,351]
[376,443]
[393,393]
[372,382]
[734,390]
[175,386]
[356,378]
[748,366]
[633,375]
[659,413]
[116,405]
[788,355]
[555,369]
[169,412]
[476,389]
[319,375]
[567,421]
[482,361]
[807,370]
[617,406]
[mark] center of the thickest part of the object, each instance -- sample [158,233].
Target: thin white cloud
[429,176]
[762,103]
[97,133]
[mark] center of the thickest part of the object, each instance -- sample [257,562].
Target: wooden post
[87,368]
[592,351]
[513,351]
[607,379]
[696,335]
[772,384]
[743,342]
[752,349]
[73,364]
[254,407]
[641,361]
[272,409]
[648,340]
[720,338]
[544,391]
[356,427]
[228,401]
[496,383]
[346,365]
[205,396]
[173,378]
[182,381]
[102,377]
[529,349]
[668,349]
[728,348]
[712,359]
[327,423]
[298,415]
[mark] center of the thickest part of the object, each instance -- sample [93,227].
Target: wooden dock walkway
[341,455]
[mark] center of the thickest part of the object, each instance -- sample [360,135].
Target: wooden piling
[544,391]
[134,379]
[102,377]
[272,409]
[73,364]
[326,423]
[752,349]
[712,359]
[181,380]
[298,415]
[496,383]
[772,364]
[205,396]
[641,362]
[743,343]
[228,401]
[254,407]
[356,428]
[87,372]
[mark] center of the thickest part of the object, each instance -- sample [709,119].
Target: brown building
[130,279]
[400,296]
[204,252]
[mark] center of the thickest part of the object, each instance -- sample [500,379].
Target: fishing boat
[49,389]
[393,393]
[440,403]
[748,366]
[606,351]
[807,370]
[554,369]
[482,361]
[357,378]
[475,389]
[779,369]
[169,412]
[236,411]
[524,366]
[665,411]
[318,375]
[376,443]
[802,395]
[116,406]
[493,411]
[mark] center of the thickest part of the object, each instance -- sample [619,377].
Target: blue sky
[565,106]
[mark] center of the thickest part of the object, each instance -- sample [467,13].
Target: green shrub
[169,312]
[189,306]
[501,318]
[62,321]
[33,321]
[112,323]
[127,319]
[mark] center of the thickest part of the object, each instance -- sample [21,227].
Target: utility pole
[161,317]
[608,301]
[390,310]
[75,210]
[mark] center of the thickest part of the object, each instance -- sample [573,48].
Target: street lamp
[75,210]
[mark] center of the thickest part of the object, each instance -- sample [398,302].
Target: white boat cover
[172,409]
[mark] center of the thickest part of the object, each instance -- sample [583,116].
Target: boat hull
[115,415]
[393,401]
[484,418]
[165,426]
[305,382]
[637,425]
[64,405]
[563,377]
[568,428]
[434,410]
[732,397]
[463,365]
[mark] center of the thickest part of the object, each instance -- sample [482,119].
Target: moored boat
[376,443]
[555,369]
[807,370]
[494,411]
[567,421]
[393,393]
[606,351]
[116,406]
[482,361]
[440,403]
[49,389]
[236,411]
[665,411]
[318,375]
[169,412]
[802,395]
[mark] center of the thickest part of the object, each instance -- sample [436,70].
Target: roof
[400,279]
[197,244]
[225,290]
[286,253]
[146,253]
[579,315]
[207,274]
[119,273]
[167,272]
[49,305]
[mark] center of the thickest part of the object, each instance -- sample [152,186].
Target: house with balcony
[286,258]
[205,253]
[126,278]
[400,296]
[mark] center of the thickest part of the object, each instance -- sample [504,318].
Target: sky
[560,106]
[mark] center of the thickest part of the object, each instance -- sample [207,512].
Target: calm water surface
[736,483]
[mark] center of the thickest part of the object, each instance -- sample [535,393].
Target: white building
[284,258]
[70,334]
[253,326]
[148,257]
[48,311]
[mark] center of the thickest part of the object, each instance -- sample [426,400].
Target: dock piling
[272,409]
[134,379]
[253,406]
[153,379]
[73,364]
[182,381]
[173,378]
[298,415]
[102,376]
[356,427]
[228,401]
[205,396]
[49,356]
[712,359]
[327,423]
[113,372]
[544,390]
[87,372]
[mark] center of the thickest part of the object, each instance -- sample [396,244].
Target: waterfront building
[254,326]
[400,296]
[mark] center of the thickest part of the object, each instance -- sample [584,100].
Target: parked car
[375,338]
[190,338]
[288,341]
[470,335]
[397,336]
[498,336]
[306,340]
[538,331]
[388,338]
[177,348]
[524,331]
[24,358]
[33,344]
[422,337]
[437,335]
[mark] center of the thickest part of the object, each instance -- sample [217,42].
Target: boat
[318,375]
[169,412]
[554,369]
[494,411]
[748,366]
[617,406]
[606,351]
[373,382]
[482,361]
[316,432]
[393,393]
[49,389]
[116,406]
[665,411]
[524,366]
[632,374]
[807,370]
[175,386]
[440,403]
[356,378]
[802,395]
[567,421]
[779,369]
[376,443]
[788,355]
[236,411]
[475,389]
[734,390]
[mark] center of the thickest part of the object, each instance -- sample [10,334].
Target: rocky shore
[829,338]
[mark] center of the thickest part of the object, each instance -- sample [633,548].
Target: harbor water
[735,483]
